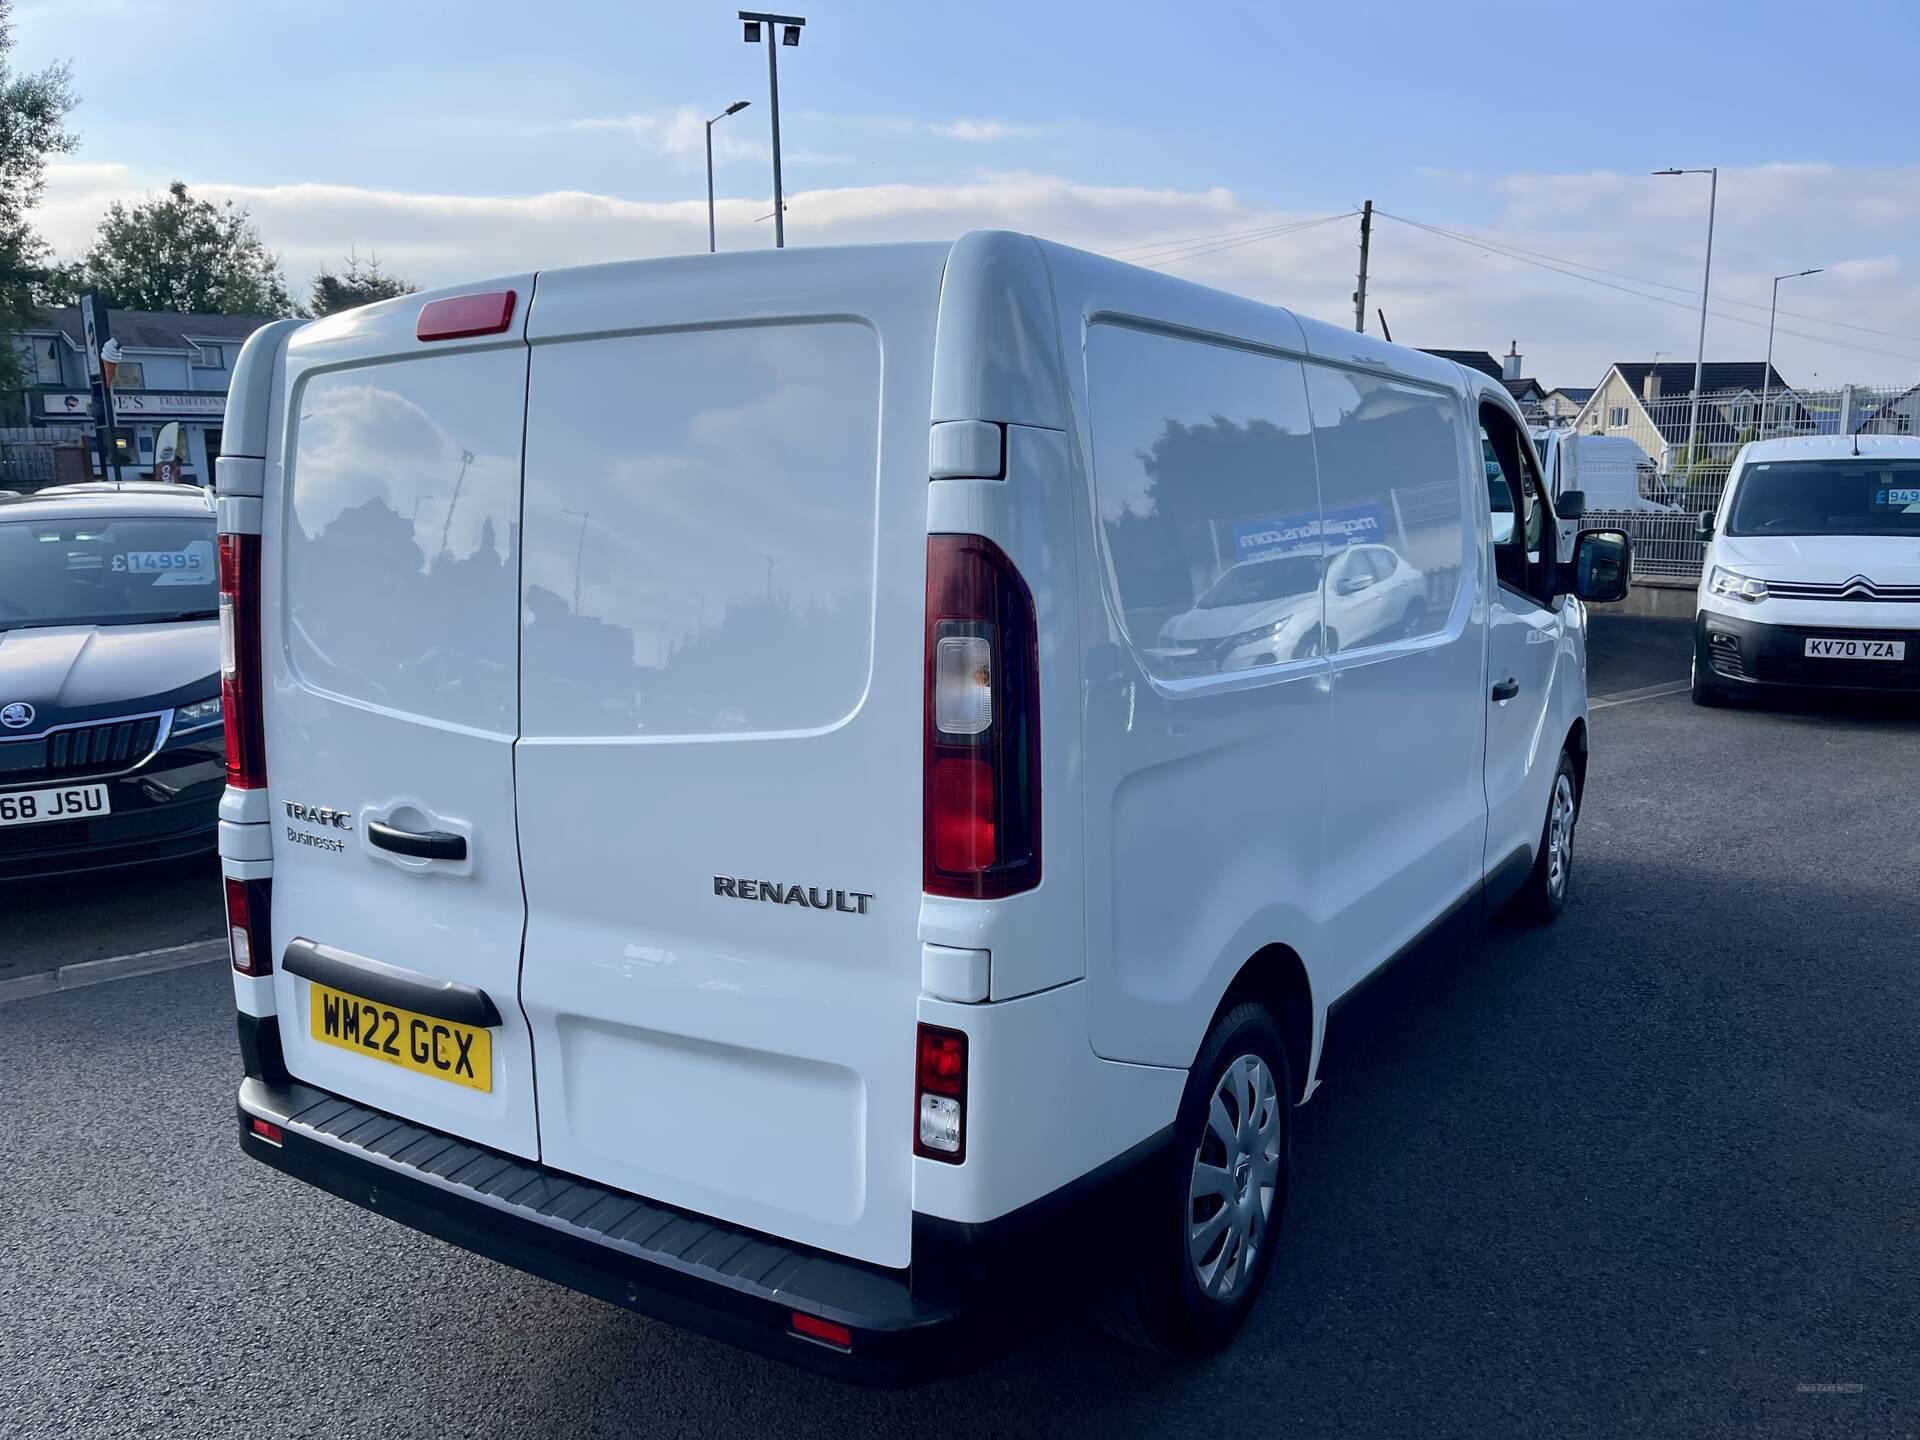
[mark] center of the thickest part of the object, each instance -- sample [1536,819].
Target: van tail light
[249,909]
[240,661]
[982,769]
[940,1094]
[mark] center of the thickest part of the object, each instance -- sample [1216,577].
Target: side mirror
[1705,524]
[1602,565]
[1571,505]
[1353,584]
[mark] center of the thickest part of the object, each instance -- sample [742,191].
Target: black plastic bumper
[720,1281]
[1738,652]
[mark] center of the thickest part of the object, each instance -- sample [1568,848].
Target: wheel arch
[1576,746]
[1275,977]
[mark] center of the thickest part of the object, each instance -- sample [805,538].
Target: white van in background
[747,797]
[1811,576]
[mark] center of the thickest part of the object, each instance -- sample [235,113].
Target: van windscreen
[1842,496]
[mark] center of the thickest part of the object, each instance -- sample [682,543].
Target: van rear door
[719,770]
[390,590]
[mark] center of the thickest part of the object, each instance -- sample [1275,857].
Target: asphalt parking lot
[1653,1170]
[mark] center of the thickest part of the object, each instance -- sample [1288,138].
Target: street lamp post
[1706,279]
[1766,376]
[735,108]
[789,28]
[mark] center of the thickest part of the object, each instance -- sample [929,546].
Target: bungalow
[1652,405]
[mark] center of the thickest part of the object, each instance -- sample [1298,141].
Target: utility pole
[1360,295]
[789,27]
[1706,281]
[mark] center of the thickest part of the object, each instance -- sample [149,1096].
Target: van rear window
[700,531]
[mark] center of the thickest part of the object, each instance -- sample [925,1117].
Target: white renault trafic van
[1811,576]
[826,795]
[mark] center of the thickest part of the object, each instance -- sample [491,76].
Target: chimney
[1650,387]
[1510,367]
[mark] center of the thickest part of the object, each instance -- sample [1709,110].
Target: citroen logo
[1858,583]
[16,716]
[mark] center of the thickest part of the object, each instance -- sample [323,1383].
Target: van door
[389,598]
[1206,712]
[720,775]
[1523,651]
[1406,815]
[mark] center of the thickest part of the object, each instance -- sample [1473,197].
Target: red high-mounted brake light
[240,661]
[940,1094]
[458,316]
[982,762]
[249,941]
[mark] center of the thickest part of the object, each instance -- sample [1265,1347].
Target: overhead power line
[1173,252]
[1573,269]
[1505,246]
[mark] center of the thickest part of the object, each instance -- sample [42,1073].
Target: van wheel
[1705,692]
[1212,1213]
[1545,894]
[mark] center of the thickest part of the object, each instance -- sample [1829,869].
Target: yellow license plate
[441,1049]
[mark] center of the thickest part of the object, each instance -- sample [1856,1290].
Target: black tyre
[1544,896]
[1317,641]
[1705,692]
[1211,1215]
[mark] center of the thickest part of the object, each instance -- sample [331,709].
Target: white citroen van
[827,795]
[1811,577]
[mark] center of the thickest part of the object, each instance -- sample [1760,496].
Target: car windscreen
[1255,580]
[1842,496]
[107,570]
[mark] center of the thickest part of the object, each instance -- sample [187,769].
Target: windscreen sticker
[192,565]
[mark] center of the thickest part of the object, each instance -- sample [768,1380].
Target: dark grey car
[111,744]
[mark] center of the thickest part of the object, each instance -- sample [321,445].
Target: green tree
[33,112]
[358,282]
[180,254]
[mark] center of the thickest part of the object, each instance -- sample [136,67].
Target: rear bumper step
[726,1283]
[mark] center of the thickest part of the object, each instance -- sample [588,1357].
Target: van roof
[1829,447]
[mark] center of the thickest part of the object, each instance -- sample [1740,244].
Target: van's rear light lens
[814,1328]
[982,764]
[459,316]
[940,1095]
[249,942]
[267,1130]
[240,661]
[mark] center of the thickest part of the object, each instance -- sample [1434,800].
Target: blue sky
[459,139]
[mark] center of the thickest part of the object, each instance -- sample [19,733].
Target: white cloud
[987,130]
[680,135]
[1858,224]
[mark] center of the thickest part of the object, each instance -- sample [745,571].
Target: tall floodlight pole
[1766,376]
[1706,279]
[734,109]
[789,28]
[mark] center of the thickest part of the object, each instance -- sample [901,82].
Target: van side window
[1204,479]
[1390,486]
[1514,500]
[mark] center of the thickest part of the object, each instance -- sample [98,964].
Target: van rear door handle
[1506,689]
[418,844]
